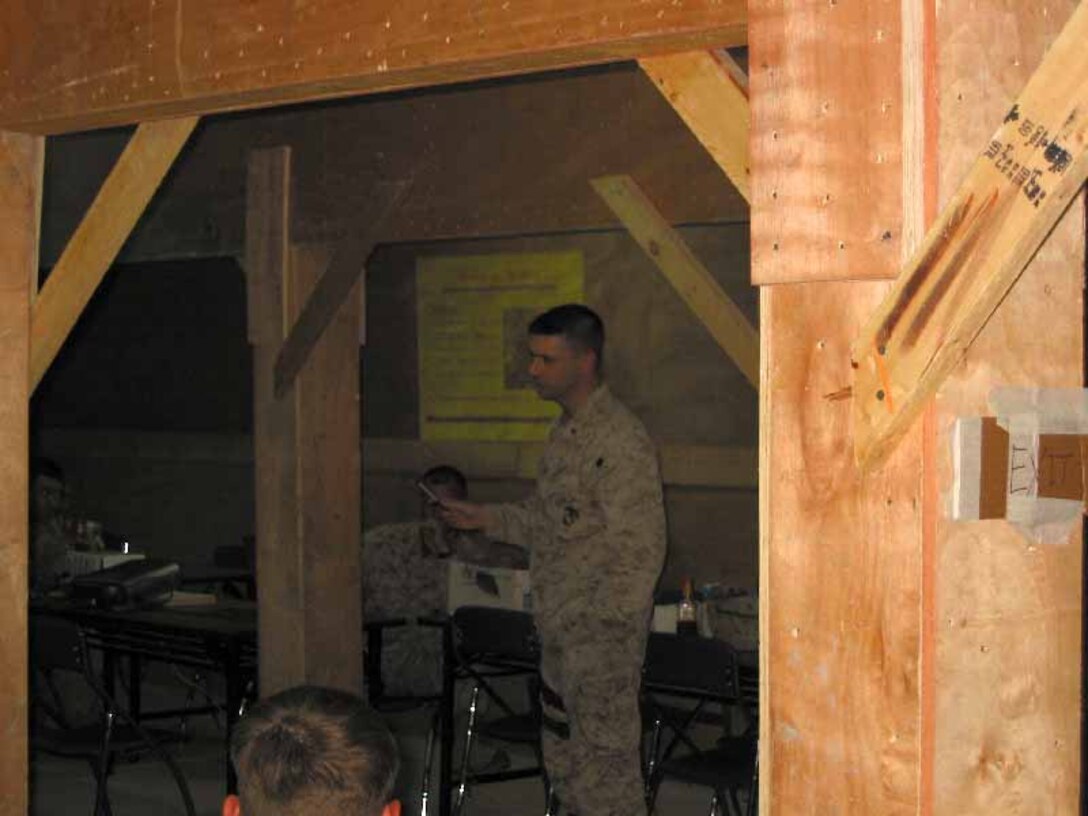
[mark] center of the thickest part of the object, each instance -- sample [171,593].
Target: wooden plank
[1008,613]
[123,198]
[710,93]
[324,303]
[841,578]
[280,631]
[204,56]
[329,486]
[1017,188]
[826,158]
[21,162]
[691,280]
[840,553]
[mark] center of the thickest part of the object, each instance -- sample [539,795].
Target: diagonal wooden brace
[1015,192]
[692,281]
[710,93]
[344,270]
[93,247]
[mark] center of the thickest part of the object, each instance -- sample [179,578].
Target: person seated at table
[313,750]
[404,576]
[49,537]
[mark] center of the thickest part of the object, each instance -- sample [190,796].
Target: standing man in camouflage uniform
[595,527]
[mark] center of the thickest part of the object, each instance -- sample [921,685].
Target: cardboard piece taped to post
[1027,464]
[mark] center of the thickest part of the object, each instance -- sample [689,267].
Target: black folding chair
[489,644]
[689,681]
[58,645]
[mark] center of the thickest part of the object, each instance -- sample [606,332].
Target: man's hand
[463,515]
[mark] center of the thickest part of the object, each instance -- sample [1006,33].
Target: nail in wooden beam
[710,93]
[87,257]
[1016,191]
[335,284]
[691,280]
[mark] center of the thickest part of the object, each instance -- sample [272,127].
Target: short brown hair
[577,324]
[313,750]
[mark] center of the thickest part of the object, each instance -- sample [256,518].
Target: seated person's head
[47,491]
[311,750]
[446,482]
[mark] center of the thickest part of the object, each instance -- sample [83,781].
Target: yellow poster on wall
[473,312]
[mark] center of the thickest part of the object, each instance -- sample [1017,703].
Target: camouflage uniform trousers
[596,669]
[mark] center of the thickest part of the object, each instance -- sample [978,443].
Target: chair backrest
[483,633]
[691,666]
[56,643]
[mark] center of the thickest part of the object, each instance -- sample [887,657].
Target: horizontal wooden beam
[124,196]
[710,93]
[708,466]
[1015,192]
[722,317]
[70,66]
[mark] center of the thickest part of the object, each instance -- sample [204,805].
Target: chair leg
[157,749]
[551,801]
[753,788]
[101,796]
[714,811]
[651,758]
[428,757]
[462,787]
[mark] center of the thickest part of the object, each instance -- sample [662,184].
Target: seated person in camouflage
[49,539]
[404,575]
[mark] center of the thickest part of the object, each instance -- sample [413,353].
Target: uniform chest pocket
[575,518]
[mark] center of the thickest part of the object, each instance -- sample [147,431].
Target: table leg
[109,673]
[445,766]
[135,700]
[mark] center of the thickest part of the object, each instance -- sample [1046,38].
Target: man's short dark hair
[447,476]
[579,325]
[313,750]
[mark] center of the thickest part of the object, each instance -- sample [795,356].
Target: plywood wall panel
[490,159]
[826,144]
[1007,610]
[658,358]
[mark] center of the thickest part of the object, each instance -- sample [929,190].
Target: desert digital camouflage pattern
[405,575]
[596,530]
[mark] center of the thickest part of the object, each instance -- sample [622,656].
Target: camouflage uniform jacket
[595,526]
[405,575]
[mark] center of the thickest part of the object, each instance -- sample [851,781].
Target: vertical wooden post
[840,554]
[329,465]
[911,664]
[21,163]
[307,456]
[280,632]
